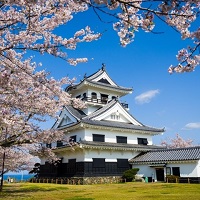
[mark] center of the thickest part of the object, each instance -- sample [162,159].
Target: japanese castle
[104,135]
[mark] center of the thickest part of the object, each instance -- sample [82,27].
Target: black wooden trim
[98,162]
[81,169]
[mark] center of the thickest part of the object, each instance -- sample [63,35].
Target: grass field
[129,191]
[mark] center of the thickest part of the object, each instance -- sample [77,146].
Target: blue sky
[159,99]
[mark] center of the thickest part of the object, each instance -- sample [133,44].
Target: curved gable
[114,111]
[65,119]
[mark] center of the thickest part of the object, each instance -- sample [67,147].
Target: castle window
[59,143]
[84,96]
[115,116]
[98,138]
[94,95]
[98,162]
[104,98]
[168,170]
[176,171]
[142,141]
[122,163]
[72,139]
[121,139]
[78,97]
[48,145]
[112,116]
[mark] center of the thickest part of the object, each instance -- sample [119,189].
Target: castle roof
[108,146]
[94,120]
[168,155]
[100,79]
[117,146]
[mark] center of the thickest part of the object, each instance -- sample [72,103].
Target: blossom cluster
[29,96]
[135,15]
[177,142]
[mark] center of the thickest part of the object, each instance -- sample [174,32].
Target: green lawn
[125,191]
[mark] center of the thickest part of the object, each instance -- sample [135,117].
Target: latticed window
[94,95]
[72,139]
[121,139]
[98,162]
[48,145]
[122,163]
[59,143]
[98,138]
[113,116]
[142,141]
[176,171]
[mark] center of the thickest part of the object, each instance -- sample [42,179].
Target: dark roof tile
[122,125]
[163,155]
[120,145]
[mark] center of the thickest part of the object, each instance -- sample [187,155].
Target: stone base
[102,180]
[79,180]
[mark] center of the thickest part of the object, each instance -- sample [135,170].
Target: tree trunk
[2,172]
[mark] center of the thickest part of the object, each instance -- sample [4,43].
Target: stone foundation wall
[102,180]
[79,180]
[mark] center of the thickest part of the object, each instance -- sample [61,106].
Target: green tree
[129,175]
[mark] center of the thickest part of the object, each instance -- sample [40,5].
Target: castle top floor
[98,89]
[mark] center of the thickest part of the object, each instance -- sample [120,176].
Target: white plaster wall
[120,119]
[76,92]
[72,154]
[109,155]
[187,169]
[145,171]
[77,154]
[80,134]
[110,136]
[90,109]
[198,168]
[87,155]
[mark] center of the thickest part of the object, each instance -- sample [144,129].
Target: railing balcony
[94,100]
[103,100]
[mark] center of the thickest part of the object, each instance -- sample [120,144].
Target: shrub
[129,175]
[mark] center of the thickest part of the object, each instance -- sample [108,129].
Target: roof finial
[103,66]
[85,76]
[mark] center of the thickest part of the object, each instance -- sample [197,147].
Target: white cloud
[146,96]
[192,125]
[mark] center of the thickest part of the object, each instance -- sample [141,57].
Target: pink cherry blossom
[177,142]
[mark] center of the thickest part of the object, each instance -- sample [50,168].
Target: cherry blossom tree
[177,142]
[28,96]
[135,15]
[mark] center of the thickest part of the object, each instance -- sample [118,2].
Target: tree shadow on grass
[14,191]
